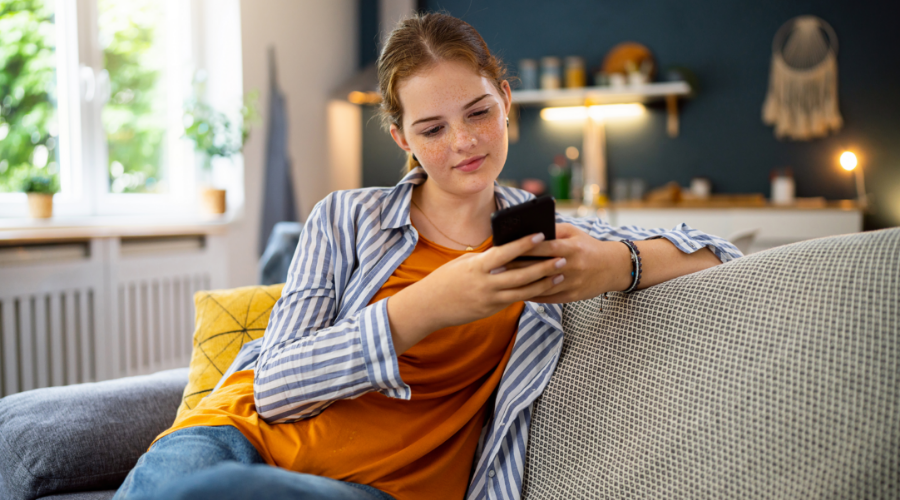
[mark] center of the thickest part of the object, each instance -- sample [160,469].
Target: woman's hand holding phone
[469,288]
[592,267]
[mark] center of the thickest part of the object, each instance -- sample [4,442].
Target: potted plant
[214,134]
[40,189]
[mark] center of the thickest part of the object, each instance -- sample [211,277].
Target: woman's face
[454,121]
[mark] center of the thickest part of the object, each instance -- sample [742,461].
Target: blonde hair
[421,41]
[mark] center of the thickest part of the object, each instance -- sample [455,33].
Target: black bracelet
[635,266]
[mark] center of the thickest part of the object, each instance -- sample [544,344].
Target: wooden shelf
[601,95]
[594,147]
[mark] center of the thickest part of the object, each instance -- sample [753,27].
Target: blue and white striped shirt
[324,342]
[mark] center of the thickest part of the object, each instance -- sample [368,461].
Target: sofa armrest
[86,436]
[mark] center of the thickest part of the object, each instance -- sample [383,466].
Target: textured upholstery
[83,437]
[225,321]
[773,376]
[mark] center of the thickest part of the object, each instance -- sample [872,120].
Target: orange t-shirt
[420,448]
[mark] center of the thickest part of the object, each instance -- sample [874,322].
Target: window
[93,92]
[28,119]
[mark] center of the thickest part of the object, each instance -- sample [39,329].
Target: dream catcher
[802,102]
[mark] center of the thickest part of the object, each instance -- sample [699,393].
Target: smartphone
[533,216]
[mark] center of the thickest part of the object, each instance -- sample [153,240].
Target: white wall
[316,50]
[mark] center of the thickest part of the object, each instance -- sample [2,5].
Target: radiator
[101,308]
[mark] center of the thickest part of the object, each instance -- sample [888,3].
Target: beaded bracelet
[635,266]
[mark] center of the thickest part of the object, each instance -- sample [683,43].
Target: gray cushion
[83,437]
[773,376]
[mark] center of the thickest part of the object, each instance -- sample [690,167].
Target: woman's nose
[464,139]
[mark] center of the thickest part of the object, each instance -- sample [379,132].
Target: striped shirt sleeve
[307,361]
[685,238]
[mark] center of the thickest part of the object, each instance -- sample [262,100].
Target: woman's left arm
[596,260]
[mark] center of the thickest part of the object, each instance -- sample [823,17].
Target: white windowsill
[56,228]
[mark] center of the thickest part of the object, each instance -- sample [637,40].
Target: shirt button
[491,473]
[540,309]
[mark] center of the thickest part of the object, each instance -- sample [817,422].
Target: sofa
[776,375]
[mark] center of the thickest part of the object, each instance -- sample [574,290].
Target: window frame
[83,149]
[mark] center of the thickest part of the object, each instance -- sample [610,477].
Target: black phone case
[533,216]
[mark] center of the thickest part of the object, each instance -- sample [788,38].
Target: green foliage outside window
[135,116]
[28,128]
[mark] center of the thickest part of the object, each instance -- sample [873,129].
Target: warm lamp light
[357,97]
[848,160]
[572,113]
[593,150]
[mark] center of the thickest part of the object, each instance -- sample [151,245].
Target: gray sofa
[773,376]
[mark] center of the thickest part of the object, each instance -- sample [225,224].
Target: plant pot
[40,205]
[212,201]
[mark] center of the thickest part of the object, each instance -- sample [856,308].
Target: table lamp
[850,163]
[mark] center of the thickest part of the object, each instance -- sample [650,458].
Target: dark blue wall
[728,46]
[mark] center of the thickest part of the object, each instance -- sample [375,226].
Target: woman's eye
[430,132]
[482,112]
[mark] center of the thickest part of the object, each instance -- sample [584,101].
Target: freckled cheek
[434,151]
[489,131]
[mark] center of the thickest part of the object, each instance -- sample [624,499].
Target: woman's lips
[472,165]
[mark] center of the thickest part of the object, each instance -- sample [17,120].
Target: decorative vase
[40,205]
[212,201]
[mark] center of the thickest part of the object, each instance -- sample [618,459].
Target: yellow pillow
[226,319]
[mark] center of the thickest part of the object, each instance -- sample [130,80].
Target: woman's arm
[307,361]
[597,261]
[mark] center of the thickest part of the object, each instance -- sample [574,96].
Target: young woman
[406,351]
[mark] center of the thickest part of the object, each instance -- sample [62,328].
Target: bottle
[528,73]
[559,178]
[577,181]
[576,76]
[550,73]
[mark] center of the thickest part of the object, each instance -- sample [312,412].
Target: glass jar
[551,77]
[576,76]
[528,74]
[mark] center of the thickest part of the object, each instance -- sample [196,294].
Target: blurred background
[148,148]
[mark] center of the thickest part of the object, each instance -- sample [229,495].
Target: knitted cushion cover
[776,375]
[225,320]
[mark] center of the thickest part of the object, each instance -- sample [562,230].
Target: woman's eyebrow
[467,106]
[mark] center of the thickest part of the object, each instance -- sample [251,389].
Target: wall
[728,46]
[316,46]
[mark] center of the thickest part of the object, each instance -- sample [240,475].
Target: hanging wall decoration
[802,102]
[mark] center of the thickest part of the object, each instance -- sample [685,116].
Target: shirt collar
[396,205]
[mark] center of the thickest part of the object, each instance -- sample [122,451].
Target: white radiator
[101,308]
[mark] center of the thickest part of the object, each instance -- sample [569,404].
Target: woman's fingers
[515,278]
[527,292]
[499,256]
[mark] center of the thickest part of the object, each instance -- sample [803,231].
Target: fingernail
[537,238]
[498,270]
[559,279]
[561,262]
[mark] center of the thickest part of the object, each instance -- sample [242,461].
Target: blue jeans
[219,463]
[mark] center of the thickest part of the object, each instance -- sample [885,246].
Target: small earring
[415,159]
[507,122]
